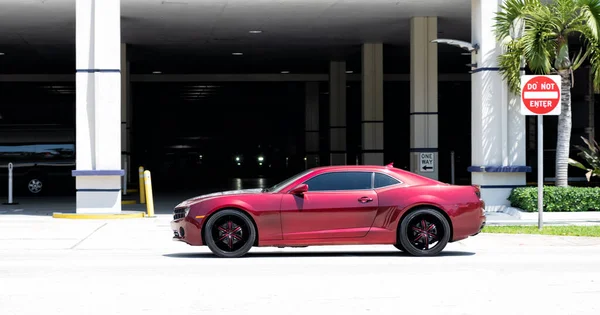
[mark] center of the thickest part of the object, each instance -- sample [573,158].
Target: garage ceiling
[41,33]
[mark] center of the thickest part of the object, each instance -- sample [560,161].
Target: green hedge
[557,199]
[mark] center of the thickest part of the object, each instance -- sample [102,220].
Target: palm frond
[591,155]
[566,12]
[509,15]
[590,11]
[592,47]
[538,47]
[510,63]
[579,59]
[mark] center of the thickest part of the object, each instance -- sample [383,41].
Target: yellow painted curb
[128,202]
[99,216]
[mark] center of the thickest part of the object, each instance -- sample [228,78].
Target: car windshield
[286,182]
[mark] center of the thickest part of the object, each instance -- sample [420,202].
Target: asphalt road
[60,266]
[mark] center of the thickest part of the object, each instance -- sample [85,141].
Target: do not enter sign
[540,95]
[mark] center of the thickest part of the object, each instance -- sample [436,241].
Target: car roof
[411,177]
[351,167]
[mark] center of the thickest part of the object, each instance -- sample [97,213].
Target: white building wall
[498,129]
[372,104]
[98,106]
[424,95]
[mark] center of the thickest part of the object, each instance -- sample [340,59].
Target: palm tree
[537,33]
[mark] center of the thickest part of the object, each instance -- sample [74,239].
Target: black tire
[417,240]
[229,233]
[400,247]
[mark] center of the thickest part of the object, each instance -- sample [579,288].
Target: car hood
[193,200]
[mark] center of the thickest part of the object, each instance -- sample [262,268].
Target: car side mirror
[299,190]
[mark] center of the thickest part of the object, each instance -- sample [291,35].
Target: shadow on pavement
[319,254]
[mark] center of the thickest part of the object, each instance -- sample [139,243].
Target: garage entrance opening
[197,135]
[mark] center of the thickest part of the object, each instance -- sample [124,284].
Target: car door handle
[365,199]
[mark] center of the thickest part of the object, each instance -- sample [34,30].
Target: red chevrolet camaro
[334,205]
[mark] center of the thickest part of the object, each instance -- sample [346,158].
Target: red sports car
[334,205]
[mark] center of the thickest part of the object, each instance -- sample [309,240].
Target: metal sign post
[540,95]
[540,179]
[10,186]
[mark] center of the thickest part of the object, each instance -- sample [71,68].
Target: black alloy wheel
[424,232]
[229,233]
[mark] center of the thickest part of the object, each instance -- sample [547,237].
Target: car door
[336,205]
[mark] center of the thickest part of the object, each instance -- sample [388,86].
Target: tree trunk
[563,141]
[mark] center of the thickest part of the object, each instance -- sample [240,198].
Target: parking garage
[205,93]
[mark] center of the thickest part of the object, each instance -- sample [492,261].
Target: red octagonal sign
[540,95]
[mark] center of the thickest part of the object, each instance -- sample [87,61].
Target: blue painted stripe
[499,169]
[501,186]
[424,150]
[424,113]
[97,70]
[489,69]
[99,190]
[97,173]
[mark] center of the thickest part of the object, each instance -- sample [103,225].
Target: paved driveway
[59,266]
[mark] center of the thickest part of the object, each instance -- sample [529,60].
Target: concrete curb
[99,216]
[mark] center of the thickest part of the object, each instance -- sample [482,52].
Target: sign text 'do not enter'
[540,95]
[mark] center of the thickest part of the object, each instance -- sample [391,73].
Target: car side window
[382,180]
[336,181]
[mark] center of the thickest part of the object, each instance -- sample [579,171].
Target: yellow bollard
[141,184]
[149,198]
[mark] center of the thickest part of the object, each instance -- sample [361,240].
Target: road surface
[61,266]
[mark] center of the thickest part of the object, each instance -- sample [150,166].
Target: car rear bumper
[483,222]
[187,230]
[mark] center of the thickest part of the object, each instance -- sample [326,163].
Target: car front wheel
[424,232]
[229,233]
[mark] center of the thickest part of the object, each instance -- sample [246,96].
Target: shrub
[557,199]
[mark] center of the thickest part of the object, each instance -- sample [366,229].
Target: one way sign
[426,162]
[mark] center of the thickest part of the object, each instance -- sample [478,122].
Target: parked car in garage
[334,205]
[42,159]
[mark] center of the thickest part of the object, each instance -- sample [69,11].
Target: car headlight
[186,211]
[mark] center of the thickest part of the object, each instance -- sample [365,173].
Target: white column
[498,129]
[337,113]
[98,106]
[311,130]
[424,97]
[372,104]
[125,119]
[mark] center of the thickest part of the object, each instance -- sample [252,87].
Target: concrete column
[337,113]
[98,106]
[372,104]
[498,129]
[311,130]
[125,119]
[424,157]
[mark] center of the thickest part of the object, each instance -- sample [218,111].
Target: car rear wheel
[229,233]
[424,232]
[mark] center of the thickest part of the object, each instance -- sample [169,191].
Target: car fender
[424,200]
[267,223]
[215,205]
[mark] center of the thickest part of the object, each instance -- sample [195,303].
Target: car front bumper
[187,230]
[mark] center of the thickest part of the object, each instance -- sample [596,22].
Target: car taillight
[477,190]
